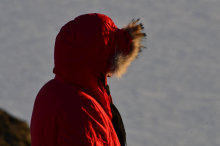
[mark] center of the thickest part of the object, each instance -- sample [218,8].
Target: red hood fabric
[84,43]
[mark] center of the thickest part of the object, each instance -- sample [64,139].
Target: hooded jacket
[74,107]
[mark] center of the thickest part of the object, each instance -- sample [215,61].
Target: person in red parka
[75,108]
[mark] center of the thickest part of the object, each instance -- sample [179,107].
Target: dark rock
[13,132]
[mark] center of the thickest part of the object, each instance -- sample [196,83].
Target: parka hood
[92,43]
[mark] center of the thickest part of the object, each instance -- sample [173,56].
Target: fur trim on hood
[122,60]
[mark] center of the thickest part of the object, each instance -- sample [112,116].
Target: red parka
[73,109]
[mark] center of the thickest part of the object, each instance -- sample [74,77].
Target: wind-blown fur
[120,61]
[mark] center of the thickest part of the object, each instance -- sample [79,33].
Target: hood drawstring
[116,118]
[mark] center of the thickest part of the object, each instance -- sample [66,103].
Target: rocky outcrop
[13,132]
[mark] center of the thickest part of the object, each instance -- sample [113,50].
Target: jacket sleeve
[83,126]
